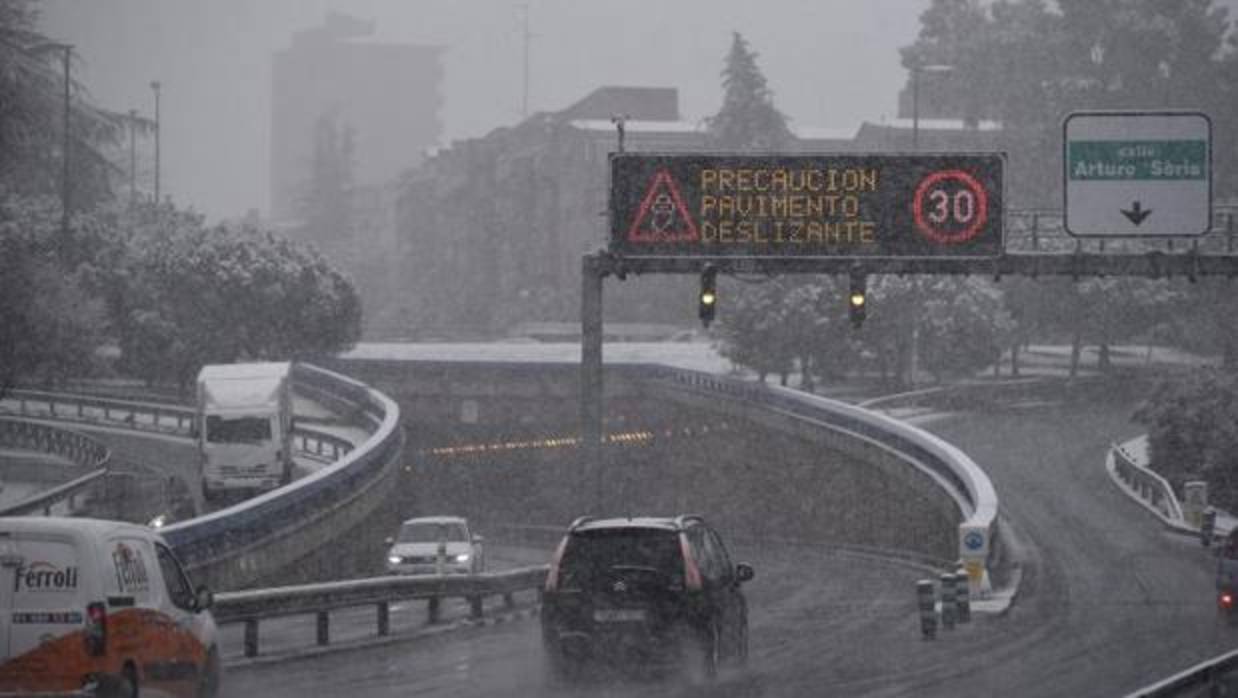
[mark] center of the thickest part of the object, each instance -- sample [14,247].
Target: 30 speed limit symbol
[950,207]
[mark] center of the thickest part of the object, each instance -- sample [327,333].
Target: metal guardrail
[43,501]
[130,414]
[1151,488]
[157,417]
[250,607]
[1215,677]
[79,448]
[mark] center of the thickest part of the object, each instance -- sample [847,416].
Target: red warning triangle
[663,216]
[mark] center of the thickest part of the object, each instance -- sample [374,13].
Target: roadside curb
[422,633]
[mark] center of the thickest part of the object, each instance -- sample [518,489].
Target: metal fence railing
[82,450]
[251,607]
[1148,486]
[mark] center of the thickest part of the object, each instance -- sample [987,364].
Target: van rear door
[10,560]
[43,576]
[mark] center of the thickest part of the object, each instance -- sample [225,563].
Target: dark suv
[647,590]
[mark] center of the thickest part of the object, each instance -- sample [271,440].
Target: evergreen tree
[748,119]
[32,102]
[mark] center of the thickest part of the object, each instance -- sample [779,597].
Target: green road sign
[1137,174]
[940,205]
[1137,160]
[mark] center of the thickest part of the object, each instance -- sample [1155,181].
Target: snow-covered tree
[748,119]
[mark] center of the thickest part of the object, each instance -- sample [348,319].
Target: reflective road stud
[963,597]
[947,601]
[928,616]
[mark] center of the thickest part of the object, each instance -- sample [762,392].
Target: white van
[90,607]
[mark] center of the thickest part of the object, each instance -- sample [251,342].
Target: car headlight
[393,559]
[462,557]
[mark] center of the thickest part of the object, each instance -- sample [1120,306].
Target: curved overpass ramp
[1109,602]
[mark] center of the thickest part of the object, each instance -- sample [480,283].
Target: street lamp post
[155,85]
[133,158]
[64,159]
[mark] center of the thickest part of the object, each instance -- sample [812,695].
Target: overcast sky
[831,63]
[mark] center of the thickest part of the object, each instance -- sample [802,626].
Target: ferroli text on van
[244,426]
[100,607]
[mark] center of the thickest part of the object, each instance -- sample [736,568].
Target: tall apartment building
[389,95]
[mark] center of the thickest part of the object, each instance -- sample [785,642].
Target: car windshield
[238,430]
[592,556]
[433,532]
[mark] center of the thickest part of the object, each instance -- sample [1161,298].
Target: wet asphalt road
[1109,602]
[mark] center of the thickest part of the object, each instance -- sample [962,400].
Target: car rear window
[593,555]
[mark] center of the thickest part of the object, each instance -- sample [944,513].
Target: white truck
[244,427]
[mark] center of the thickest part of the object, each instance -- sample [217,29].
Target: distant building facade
[492,229]
[388,95]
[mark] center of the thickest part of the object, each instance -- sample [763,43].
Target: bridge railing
[82,450]
[250,607]
[1152,489]
[161,418]
[32,436]
[1029,230]
[952,469]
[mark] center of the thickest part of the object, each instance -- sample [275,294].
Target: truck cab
[244,427]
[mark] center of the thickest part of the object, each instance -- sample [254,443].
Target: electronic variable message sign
[939,205]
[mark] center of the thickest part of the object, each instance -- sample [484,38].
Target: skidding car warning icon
[662,216]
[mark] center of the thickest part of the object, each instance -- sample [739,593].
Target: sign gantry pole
[592,272]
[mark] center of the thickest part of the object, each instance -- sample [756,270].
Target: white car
[435,545]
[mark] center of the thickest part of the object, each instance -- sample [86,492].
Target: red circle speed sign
[950,207]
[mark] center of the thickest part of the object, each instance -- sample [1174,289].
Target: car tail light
[96,629]
[691,573]
[552,576]
[1227,600]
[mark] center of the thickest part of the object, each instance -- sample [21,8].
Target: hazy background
[830,63]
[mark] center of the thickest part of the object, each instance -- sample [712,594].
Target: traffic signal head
[709,294]
[857,300]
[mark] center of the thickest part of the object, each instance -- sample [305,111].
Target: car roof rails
[580,521]
[686,519]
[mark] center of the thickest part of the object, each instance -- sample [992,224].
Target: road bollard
[928,616]
[1207,526]
[962,591]
[947,601]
